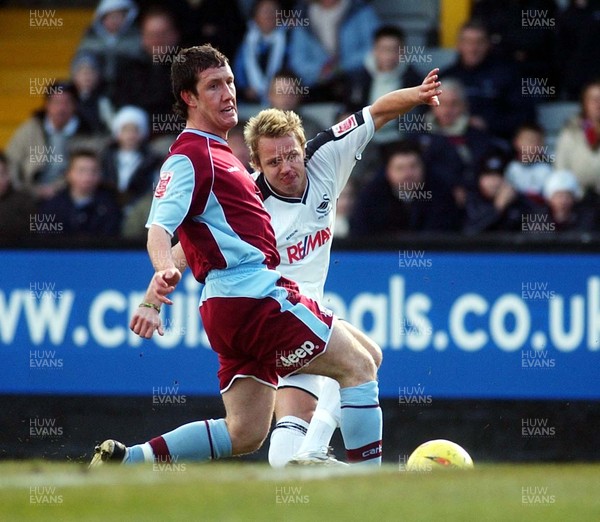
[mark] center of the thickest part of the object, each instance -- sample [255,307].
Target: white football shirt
[304,226]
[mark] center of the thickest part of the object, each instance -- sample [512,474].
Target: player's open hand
[163,283]
[429,90]
[145,321]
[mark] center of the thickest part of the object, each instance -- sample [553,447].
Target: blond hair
[272,123]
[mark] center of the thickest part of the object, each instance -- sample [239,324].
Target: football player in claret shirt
[371,453]
[256,320]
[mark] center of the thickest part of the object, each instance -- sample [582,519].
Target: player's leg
[249,409]
[324,421]
[371,346]
[249,406]
[347,361]
[294,408]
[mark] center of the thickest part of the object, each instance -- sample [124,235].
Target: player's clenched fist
[163,283]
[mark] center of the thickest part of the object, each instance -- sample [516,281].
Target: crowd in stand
[477,163]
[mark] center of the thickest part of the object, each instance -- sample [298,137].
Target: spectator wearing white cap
[563,196]
[128,164]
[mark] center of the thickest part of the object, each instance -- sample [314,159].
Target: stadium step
[37,47]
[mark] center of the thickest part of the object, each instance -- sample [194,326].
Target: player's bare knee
[246,438]
[361,369]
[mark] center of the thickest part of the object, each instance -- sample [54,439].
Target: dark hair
[389,30]
[186,68]
[3,158]
[402,147]
[477,24]
[82,153]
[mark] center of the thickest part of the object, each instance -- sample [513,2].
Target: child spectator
[529,171]
[129,167]
[83,207]
[563,199]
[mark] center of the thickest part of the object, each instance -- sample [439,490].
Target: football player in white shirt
[300,183]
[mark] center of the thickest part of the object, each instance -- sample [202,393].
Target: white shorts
[309,383]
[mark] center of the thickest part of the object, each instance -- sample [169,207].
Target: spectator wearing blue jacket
[336,38]
[262,54]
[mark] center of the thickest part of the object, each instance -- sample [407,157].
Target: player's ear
[189,98]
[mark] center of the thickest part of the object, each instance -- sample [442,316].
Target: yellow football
[439,454]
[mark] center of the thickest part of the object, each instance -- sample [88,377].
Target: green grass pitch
[230,491]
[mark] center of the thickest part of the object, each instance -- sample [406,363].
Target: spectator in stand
[528,172]
[452,120]
[93,106]
[287,93]
[38,150]
[578,51]
[493,86]
[578,146]
[113,34]
[263,52]
[404,196]
[145,80]
[384,69]
[16,207]
[522,31]
[495,205]
[83,207]
[129,167]
[568,212]
[336,40]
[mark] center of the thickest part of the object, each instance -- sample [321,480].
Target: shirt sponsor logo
[311,242]
[341,128]
[161,188]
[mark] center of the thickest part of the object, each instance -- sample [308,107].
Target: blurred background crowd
[513,147]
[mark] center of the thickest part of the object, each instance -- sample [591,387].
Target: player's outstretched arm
[393,104]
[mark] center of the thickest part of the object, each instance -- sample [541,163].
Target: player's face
[281,160]
[214,108]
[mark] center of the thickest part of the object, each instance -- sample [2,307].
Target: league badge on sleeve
[341,128]
[163,182]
